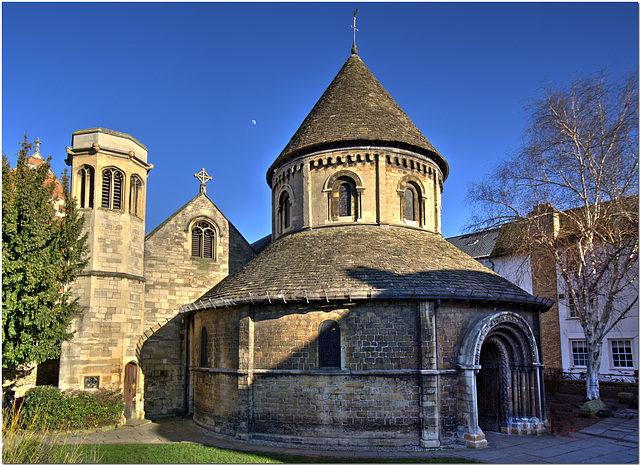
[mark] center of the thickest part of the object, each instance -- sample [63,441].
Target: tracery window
[284,211]
[112,184]
[204,362]
[329,344]
[135,194]
[203,240]
[86,176]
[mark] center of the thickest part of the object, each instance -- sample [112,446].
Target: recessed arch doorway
[501,375]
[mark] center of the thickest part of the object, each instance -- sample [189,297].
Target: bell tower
[109,172]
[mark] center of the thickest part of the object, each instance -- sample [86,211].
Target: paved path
[612,440]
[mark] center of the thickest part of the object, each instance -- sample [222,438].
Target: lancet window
[135,195]
[86,177]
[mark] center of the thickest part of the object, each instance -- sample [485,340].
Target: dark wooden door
[489,388]
[130,385]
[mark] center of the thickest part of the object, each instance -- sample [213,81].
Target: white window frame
[574,343]
[632,353]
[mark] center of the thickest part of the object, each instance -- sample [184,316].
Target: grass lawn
[196,453]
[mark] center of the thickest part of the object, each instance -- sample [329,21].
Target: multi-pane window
[329,344]
[203,240]
[285,211]
[86,178]
[203,348]
[579,353]
[135,194]
[622,354]
[112,184]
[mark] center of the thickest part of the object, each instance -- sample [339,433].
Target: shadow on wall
[162,360]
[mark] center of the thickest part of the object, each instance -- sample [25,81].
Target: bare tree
[570,194]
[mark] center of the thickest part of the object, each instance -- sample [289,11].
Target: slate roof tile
[363,261]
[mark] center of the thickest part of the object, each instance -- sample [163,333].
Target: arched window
[284,211]
[411,204]
[112,184]
[344,199]
[204,359]
[329,344]
[135,194]
[409,197]
[86,178]
[203,240]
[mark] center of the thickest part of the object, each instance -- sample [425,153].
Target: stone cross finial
[204,178]
[37,145]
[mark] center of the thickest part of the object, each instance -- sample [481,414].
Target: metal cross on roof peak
[354,49]
[204,178]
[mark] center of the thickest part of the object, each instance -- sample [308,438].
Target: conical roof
[356,110]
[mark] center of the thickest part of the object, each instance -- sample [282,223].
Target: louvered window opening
[329,345]
[134,194]
[112,184]
[86,178]
[202,240]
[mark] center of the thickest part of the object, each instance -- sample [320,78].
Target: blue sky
[189,80]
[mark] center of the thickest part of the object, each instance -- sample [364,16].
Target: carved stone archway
[505,342]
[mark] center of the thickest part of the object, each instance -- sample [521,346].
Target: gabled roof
[361,263]
[356,110]
[477,244]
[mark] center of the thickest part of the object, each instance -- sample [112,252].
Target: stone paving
[612,440]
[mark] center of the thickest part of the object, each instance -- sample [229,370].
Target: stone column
[429,395]
[245,373]
[469,431]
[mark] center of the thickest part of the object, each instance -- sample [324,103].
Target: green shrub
[79,409]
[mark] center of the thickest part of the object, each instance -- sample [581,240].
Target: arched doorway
[490,383]
[501,378]
[130,389]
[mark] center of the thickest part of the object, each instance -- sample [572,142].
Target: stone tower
[357,158]
[109,172]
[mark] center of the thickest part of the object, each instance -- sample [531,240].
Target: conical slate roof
[356,110]
[362,262]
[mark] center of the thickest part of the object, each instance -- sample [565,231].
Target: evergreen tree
[41,255]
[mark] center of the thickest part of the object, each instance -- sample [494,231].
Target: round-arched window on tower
[284,211]
[344,199]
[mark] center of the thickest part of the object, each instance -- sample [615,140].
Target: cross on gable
[204,178]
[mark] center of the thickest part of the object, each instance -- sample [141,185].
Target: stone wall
[269,357]
[380,174]
[175,278]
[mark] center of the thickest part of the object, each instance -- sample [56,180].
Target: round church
[357,323]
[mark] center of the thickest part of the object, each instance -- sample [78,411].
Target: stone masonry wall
[380,172]
[175,278]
